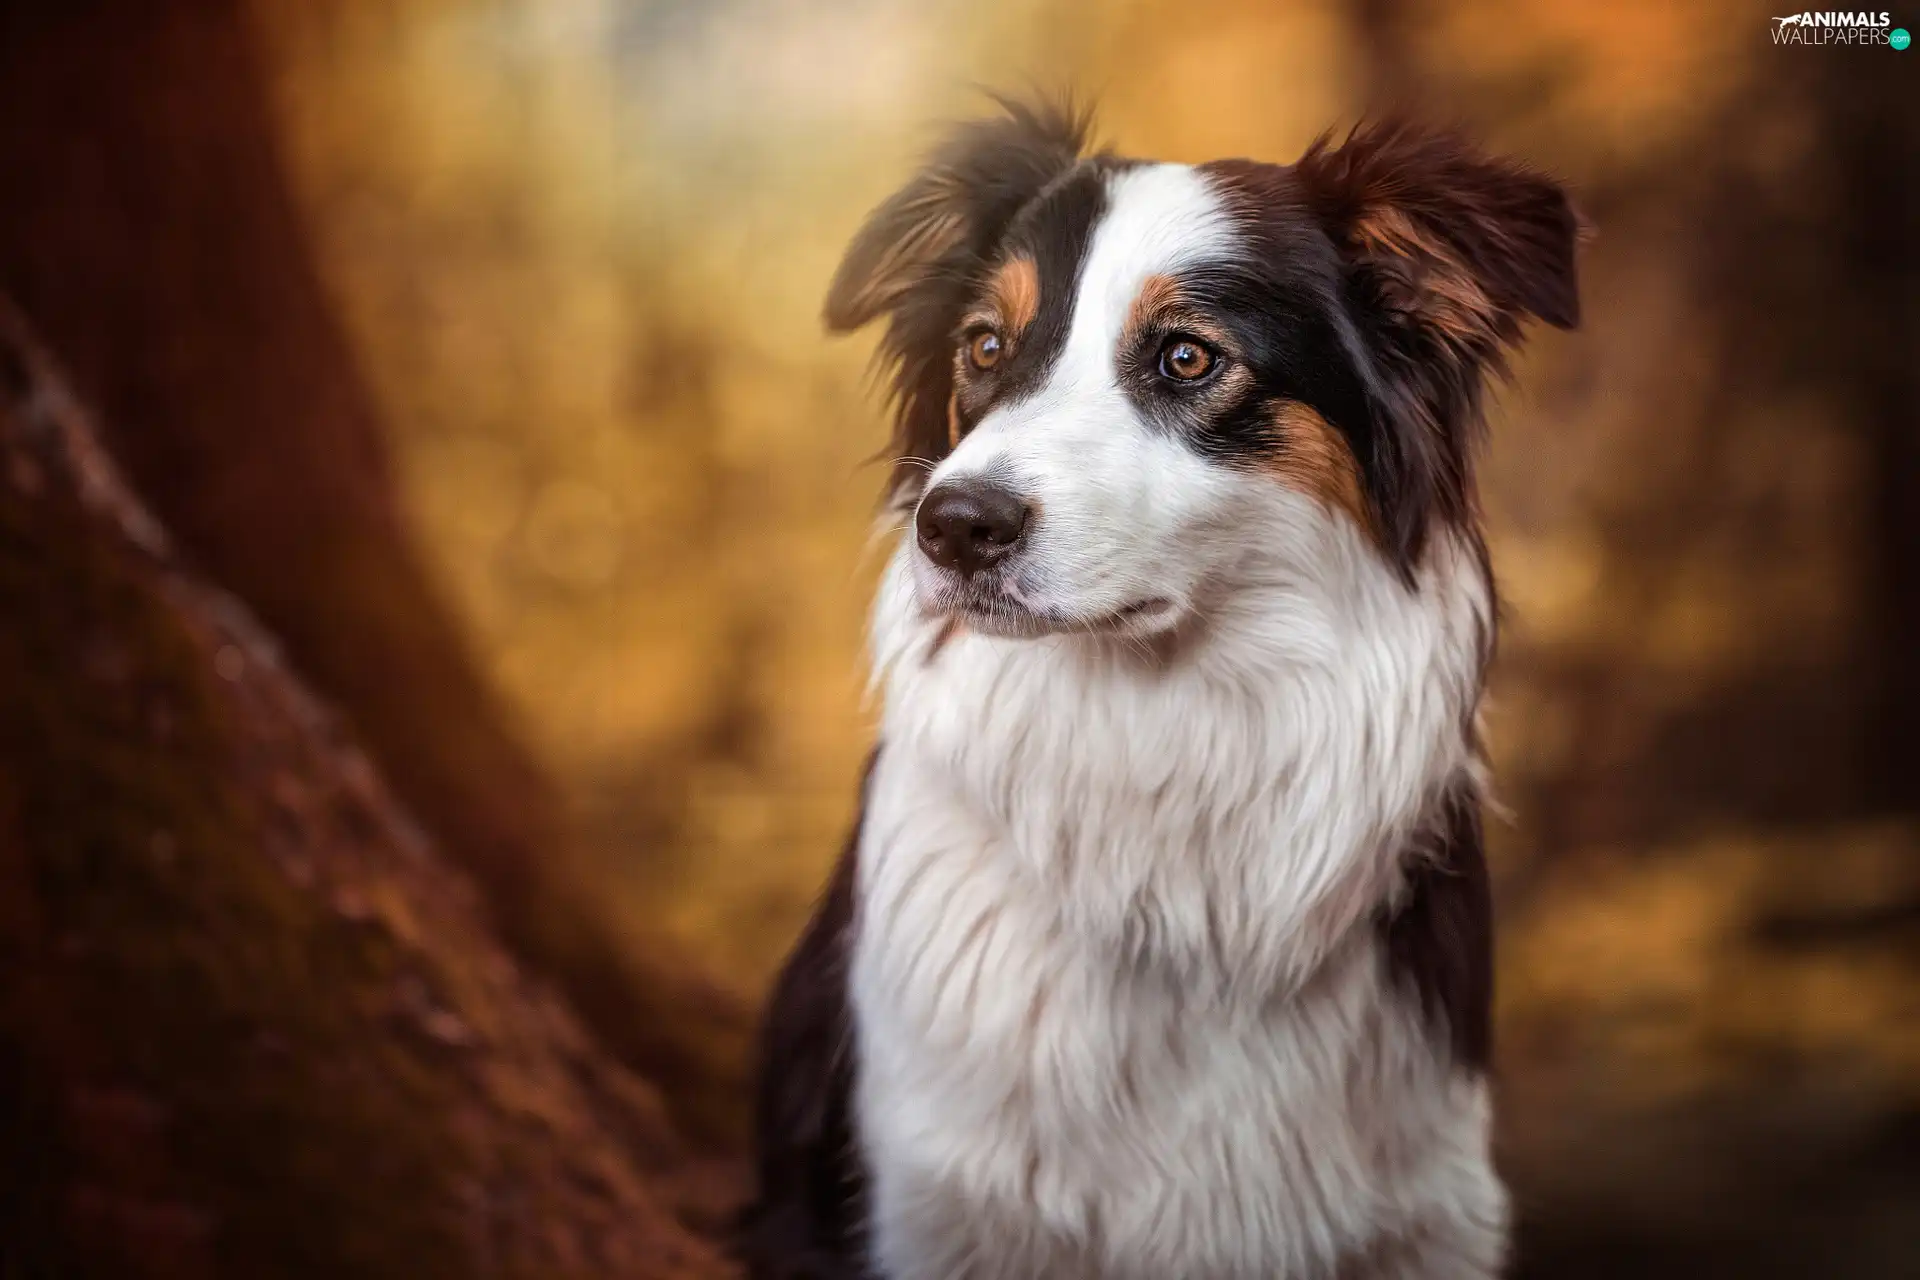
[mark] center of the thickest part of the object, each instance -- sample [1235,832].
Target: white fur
[1119,1008]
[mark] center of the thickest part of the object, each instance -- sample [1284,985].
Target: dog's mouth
[1002,609]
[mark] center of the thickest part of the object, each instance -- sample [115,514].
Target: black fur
[805,1220]
[1439,938]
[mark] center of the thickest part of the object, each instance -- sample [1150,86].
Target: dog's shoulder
[805,1220]
[1438,933]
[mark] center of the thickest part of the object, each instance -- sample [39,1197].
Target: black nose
[969,524]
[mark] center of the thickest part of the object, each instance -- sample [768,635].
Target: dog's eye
[1185,360]
[983,349]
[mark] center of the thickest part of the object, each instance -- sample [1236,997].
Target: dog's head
[1115,379]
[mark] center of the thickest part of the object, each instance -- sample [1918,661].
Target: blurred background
[472,344]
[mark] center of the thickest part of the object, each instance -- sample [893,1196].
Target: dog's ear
[1447,253]
[954,208]
[919,255]
[1453,245]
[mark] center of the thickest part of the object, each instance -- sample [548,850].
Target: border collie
[1162,947]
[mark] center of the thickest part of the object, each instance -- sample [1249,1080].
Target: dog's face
[1118,379]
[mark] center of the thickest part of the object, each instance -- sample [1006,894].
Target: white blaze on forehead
[1159,218]
[1128,511]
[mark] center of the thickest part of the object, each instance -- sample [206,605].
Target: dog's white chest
[1033,1104]
[1120,1009]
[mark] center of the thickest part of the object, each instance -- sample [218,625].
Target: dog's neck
[1233,803]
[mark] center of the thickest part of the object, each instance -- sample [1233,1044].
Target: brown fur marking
[1314,458]
[1159,308]
[1014,293]
[1431,281]
[1158,296]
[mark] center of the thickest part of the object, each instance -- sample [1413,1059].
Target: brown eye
[983,349]
[1185,360]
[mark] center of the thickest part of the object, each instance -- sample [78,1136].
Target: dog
[1161,949]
